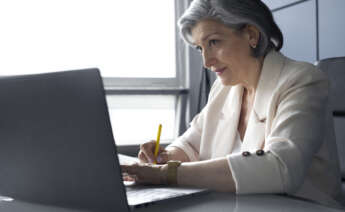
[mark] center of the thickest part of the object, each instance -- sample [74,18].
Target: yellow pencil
[157,142]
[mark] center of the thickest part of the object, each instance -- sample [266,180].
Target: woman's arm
[295,132]
[212,174]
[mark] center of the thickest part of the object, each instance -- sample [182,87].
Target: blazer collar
[271,69]
[254,138]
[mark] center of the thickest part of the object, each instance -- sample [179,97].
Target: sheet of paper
[126,160]
[137,195]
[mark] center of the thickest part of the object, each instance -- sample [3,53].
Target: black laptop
[56,142]
[57,146]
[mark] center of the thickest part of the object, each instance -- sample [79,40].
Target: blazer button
[246,153]
[260,152]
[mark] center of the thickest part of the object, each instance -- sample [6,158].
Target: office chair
[335,69]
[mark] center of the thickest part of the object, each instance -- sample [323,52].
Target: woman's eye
[212,42]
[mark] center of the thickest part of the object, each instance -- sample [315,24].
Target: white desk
[210,202]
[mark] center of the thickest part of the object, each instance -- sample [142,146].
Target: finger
[161,149]
[125,177]
[142,157]
[148,150]
[148,145]
[130,169]
[128,177]
[163,157]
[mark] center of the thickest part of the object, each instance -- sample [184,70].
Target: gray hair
[235,14]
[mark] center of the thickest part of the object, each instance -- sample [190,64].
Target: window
[133,43]
[122,38]
[134,115]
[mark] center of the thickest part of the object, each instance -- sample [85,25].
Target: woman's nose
[208,59]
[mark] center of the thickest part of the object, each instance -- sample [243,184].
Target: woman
[264,127]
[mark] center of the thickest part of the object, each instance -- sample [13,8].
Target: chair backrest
[335,69]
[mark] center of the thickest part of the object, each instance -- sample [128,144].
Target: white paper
[127,160]
[137,195]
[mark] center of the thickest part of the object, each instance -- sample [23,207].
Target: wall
[313,29]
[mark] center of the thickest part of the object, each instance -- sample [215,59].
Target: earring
[253,45]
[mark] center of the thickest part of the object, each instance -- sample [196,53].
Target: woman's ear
[253,35]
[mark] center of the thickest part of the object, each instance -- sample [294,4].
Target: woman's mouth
[220,71]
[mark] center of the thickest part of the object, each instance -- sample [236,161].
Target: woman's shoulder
[301,72]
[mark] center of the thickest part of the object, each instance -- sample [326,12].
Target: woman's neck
[252,77]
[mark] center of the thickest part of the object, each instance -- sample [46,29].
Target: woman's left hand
[145,173]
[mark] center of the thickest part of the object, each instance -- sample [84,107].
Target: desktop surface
[213,201]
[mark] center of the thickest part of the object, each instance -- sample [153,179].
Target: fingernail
[159,159]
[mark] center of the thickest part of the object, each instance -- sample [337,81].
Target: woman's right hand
[146,153]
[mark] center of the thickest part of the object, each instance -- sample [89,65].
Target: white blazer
[289,121]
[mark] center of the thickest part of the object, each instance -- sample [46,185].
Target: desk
[214,201]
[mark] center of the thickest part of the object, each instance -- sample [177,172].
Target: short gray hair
[235,14]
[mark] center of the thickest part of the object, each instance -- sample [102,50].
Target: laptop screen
[56,142]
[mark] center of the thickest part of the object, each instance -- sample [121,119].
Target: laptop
[56,143]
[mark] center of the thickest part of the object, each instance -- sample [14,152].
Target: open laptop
[56,143]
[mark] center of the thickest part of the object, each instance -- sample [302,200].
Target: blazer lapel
[254,138]
[228,123]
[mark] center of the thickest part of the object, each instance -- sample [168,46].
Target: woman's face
[224,50]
